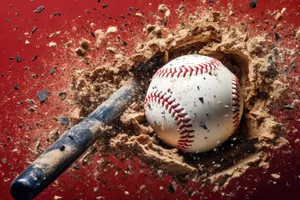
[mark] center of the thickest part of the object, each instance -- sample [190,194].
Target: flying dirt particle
[276,36]
[64,120]
[19,59]
[253,3]
[39,9]
[111,29]
[43,95]
[275,176]
[202,124]
[76,166]
[80,51]
[201,99]
[34,29]
[85,44]
[62,94]
[52,44]
[104,5]
[62,148]
[34,58]
[173,187]
[16,87]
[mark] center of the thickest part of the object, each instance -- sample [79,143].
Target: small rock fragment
[201,99]
[43,95]
[64,120]
[39,9]
[100,37]
[62,95]
[202,124]
[276,36]
[162,8]
[52,44]
[16,87]
[85,44]
[278,16]
[19,59]
[34,58]
[80,51]
[275,176]
[76,166]
[34,29]
[173,187]
[298,34]
[253,3]
[111,29]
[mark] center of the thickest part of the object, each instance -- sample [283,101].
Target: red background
[19,129]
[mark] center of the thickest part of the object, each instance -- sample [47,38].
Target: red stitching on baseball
[179,115]
[235,102]
[184,70]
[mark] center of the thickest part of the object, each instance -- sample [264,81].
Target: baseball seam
[178,114]
[188,70]
[235,102]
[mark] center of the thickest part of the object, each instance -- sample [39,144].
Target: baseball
[194,103]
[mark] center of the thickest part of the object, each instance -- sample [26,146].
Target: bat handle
[70,146]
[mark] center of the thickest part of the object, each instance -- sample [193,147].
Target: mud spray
[207,34]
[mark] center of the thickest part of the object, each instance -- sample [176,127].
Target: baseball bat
[73,143]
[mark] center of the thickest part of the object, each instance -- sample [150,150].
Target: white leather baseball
[194,103]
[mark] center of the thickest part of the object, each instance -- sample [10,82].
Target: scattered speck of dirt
[85,44]
[275,176]
[80,51]
[39,9]
[76,166]
[52,44]
[57,197]
[105,5]
[64,120]
[288,107]
[16,87]
[99,1]
[19,59]
[30,101]
[298,34]
[3,160]
[52,70]
[173,187]
[34,29]
[11,58]
[111,29]
[62,94]
[8,19]
[276,36]
[253,3]
[43,95]
[34,58]
[62,148]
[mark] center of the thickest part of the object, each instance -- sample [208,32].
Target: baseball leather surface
[194,103]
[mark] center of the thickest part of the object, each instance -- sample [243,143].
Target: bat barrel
[70,146]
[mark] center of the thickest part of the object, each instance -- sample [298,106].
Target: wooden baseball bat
[73,143]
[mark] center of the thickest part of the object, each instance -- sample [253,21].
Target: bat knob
[21,189]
